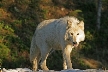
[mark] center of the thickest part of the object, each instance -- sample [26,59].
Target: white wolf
[57,34]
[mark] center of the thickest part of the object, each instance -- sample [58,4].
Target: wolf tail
[32,49]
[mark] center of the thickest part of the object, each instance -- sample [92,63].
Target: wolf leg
[44,55]
[43,65]
[64,64]
[34,56]
[66,56]
[43,61]
[34,65]
[36,62]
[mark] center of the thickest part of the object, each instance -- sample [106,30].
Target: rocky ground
[73,70]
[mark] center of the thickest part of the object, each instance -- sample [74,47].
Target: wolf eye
[77,33]
[71,33]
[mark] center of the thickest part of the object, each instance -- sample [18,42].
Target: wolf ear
[81,25]
[69,24]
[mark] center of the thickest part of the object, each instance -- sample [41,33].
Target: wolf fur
[57,34]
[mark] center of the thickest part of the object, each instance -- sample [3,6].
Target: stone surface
[71,70]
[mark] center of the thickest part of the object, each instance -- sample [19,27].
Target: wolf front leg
[66,56]
[64,63]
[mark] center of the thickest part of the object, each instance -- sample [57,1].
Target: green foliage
[4,51]
[45,12]
[11,46]
[75,13]
[54,59]
[79,63]
[17,28]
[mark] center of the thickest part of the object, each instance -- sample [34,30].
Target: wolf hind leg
[35,56]
[36,62]
[44,55]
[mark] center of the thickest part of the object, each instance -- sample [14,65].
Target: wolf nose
[74,42]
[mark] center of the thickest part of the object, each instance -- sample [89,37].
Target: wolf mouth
[75,45]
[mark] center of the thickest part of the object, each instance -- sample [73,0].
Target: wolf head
[75,32]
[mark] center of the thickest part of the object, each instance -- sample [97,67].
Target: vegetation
[18,21]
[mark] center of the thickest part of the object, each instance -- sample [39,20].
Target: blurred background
[18,21]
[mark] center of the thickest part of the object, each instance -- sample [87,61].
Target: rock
[68,70]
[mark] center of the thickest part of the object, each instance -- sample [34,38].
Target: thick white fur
[57,34]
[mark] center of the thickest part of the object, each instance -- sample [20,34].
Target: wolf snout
[74,42]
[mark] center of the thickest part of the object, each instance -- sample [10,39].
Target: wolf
[56,34]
